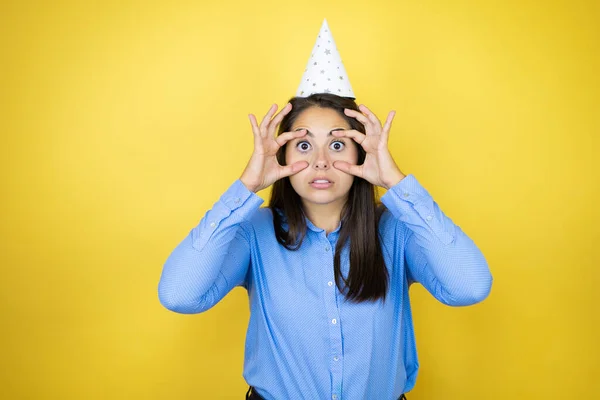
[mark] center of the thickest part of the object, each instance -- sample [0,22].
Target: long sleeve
[213,258]
[438,254]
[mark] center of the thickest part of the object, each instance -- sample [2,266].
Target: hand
[379,167]
[263,169]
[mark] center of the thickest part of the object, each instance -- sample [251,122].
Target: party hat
[325,72]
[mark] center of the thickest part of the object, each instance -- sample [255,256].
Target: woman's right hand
[263,169]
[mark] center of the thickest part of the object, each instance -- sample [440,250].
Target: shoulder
[390,226]
[262,216]
[260,223]
[387,220]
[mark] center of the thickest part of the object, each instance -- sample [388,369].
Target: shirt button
[330,283]
[326,248]
[212,224]
[405,194]
[334,321]
[237,200]
[336,358]
[334,396]
[429,218]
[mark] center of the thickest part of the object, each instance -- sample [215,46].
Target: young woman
[327,268]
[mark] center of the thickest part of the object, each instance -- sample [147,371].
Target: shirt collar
[309,224]
[314,228]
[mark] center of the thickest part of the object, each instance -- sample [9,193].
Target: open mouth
[320,183]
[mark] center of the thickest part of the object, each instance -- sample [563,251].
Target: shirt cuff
[412,204]
[237,195]
[234,206]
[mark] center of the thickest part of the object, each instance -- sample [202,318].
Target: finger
[351,169]
[385,134]
[357,136]
[267,118]
[287,136]
[372,117]
[292,169]
[254,124]
[355,114]
[278,118]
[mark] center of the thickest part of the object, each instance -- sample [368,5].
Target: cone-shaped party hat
[325,72]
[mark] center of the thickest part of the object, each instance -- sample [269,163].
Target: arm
[213,258]
[438,254]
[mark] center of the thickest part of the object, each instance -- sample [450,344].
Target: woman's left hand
[379,167]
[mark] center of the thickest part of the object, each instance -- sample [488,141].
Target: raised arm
[438,254]
[213,258]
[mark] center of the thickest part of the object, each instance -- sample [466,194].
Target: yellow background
[122,122]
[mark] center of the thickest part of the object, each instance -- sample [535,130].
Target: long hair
[368,277]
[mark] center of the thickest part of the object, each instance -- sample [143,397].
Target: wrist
[251,187]
[393,179]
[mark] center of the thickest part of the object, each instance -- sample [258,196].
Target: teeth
[320,181]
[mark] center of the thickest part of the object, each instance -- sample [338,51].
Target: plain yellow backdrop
[122,123]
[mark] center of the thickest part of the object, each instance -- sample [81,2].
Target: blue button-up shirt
[304,340]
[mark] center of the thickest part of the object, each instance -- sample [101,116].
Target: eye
[337,145]
[303,146]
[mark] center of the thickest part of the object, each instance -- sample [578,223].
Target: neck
[324,216]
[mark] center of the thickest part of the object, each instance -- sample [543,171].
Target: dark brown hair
[368,277]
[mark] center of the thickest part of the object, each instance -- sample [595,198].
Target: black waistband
[251,394]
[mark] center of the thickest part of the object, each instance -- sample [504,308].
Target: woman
[326,268]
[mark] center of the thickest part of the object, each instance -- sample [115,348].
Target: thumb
[348,168]
[292,169]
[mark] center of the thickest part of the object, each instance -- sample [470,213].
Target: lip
[321,185]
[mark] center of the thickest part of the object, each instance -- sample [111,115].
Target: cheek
[354,151]
[350,155]
[291,156]
[286,154]
[296,180]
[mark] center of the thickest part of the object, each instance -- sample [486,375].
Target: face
[320,183]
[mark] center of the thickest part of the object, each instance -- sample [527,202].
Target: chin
[320,200]
[337,193]
[322,197]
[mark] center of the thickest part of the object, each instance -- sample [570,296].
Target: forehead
[324,118]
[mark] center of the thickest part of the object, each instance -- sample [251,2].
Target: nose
[322,161]
[321,165]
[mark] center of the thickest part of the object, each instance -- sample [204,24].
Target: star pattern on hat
[320,76]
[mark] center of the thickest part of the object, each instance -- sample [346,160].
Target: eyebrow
[309,133]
